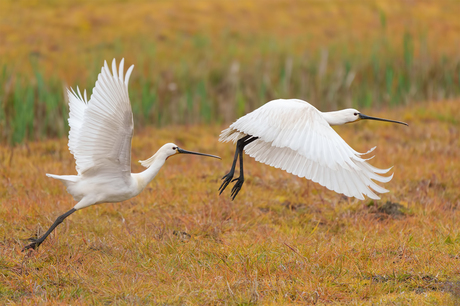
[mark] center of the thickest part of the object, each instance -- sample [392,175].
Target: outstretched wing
[101,129]
[294,136]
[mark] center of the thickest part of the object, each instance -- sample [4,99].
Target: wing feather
[101,129]
[294,136]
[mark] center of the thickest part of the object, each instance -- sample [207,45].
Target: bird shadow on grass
[421,284]
[387,210]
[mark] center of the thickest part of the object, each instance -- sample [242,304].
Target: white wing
[101,129]
[294,136]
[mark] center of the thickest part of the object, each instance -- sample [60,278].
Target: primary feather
[100,136]
[101,129]
[295,137]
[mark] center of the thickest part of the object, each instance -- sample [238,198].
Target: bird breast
[104,191]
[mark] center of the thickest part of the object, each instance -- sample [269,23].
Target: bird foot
[227,180]
[237,187]
[34,245]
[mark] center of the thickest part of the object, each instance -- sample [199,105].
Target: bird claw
[34,245]
[227,180]
[237,187]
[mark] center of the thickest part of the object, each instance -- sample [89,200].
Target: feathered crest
[148,162]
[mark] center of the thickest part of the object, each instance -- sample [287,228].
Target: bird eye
[174,148]
[356,114]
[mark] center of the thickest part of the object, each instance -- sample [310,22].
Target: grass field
[283,240]
[198,65]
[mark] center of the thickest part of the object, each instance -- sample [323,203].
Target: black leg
[240,180]
[36,242]
[228,177]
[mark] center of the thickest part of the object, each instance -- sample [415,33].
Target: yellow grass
[283,240]
[65,36]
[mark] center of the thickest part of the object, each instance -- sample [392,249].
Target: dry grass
[283,240]
[66,34]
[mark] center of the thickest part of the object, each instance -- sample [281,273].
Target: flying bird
[294,136]
[100,136]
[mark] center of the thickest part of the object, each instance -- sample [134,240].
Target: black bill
[195,153]
[362,116]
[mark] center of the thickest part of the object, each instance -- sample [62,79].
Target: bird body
[100,135]
[294,136]
[96,187]
[90,191]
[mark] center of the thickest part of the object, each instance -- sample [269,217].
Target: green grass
[207,88]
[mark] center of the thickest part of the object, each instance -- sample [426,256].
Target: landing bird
[296,137]
[100,136]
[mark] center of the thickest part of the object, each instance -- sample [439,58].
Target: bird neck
[144,177]
[335,118]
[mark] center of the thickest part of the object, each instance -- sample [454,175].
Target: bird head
[168,150]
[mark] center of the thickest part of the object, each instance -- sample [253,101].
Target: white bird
[296,137]
[100,136]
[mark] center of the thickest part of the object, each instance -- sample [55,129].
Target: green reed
[216,86]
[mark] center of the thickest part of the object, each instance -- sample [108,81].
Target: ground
[283,240]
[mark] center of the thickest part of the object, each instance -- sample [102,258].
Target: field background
[198,66]
[212,61]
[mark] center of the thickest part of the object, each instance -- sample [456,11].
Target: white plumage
[100,136]
[101,130]
[294,136]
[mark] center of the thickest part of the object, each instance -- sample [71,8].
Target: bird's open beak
[362,116]
[182,151]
